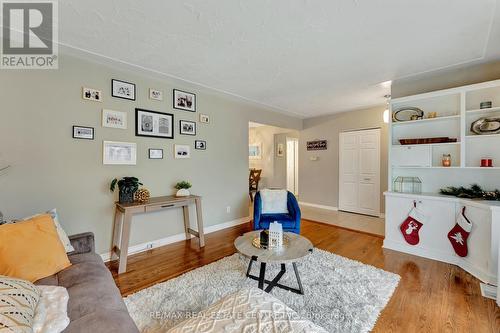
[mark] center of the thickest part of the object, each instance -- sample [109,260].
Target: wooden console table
[123,221]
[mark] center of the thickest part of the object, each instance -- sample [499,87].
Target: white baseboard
[308,204]
[177,238]
[479,273]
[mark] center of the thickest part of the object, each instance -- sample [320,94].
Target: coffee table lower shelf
[274,282]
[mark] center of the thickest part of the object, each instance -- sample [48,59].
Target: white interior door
[359,171]
[292,165]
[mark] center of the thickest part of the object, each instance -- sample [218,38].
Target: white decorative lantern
[275,235]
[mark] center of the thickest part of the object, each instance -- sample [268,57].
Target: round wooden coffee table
[296,248]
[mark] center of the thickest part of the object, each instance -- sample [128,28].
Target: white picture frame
[182,151]
[114,119]
[280,150]
[91,94]
[255,151]
[122,89]
[204,118]
[119,153]
[155,94]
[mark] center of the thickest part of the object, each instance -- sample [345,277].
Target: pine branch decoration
[474,192]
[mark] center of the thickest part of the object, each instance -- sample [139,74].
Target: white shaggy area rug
[341,295]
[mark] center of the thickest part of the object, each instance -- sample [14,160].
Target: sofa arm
[83,243]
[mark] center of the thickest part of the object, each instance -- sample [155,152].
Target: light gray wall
[50,169]
[318,180]
[447,78]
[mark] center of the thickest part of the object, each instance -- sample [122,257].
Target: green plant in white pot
[183,189]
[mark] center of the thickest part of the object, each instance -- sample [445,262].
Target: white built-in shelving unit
[456,110]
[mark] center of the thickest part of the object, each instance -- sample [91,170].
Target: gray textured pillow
[18,301]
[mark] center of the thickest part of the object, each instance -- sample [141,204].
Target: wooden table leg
[125,237]
[185,210]
[199,220]
[116,233]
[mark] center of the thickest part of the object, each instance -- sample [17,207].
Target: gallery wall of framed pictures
[148,123]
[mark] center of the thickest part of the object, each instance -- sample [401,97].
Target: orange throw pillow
[31,249]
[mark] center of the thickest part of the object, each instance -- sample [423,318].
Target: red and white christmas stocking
[411,226]
[459,234]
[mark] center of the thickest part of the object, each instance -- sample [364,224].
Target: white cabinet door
[411,156]
[359,172]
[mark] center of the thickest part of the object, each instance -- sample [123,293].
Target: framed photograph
[122,89]
[155,154]
[184,100]
[114,119]
[157,95]
[280,150]
[204,118]
[123,153]
[187,127]
[91,94]
[200,145]
[255,151]
[154,124]
[182,151]
[82,132]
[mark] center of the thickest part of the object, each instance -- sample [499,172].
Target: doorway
[268,157]
[292,165]
[359,171]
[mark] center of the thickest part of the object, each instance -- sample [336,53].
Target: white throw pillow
[51,313]
[274,201]
[60,231]
[18,301]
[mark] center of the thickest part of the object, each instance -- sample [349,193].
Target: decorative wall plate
[486,126]
[407,113]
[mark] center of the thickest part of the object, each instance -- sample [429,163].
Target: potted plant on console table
[183,189]
[127,186]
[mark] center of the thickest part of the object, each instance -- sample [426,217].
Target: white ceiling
[307,57]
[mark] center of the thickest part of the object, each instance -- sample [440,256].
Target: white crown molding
[176,238]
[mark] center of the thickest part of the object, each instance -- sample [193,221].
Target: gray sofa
[95,304]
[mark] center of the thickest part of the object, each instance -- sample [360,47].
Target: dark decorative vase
[126,197]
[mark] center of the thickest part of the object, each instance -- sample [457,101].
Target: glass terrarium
[407,185]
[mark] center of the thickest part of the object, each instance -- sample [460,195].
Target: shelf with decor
[485,110]
[449,113]
[471,115]
[484,136]
[425,120]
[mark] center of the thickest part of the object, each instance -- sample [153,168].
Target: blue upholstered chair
[290,221]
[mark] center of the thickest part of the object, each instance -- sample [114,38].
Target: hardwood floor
[431,296]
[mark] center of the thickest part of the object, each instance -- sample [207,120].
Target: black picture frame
[155,158]
[80,137]
[139,132]
[190,122]
[123,97]
[196,142]
[177,106]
